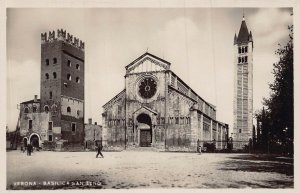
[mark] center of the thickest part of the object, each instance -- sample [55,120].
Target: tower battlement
[63,36]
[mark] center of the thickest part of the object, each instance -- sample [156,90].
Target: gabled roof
[244,33]
[147,54]
[117,96]
[147,108]
[31,101]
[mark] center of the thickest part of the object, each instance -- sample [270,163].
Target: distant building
[243,87]
[59,115]
[159,110]
[93,134]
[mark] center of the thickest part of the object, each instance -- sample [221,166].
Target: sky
[198,42]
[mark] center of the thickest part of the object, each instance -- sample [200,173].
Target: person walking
[29,149]
[99,149]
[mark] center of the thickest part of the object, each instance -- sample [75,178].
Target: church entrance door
[145,128]
[145,139]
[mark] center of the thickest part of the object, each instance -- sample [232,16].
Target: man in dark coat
[29,149]
[99,149]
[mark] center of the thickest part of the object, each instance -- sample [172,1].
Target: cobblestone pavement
[129,169]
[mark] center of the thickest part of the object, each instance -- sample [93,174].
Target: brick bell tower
[62,85]
[243,87]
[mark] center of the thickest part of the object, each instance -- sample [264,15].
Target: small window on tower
[78,113]
[50,94]
[54,60]
[30,124]
[77,80]
[54,75]
[69,63]
[47,62]
[69,76]
[77,66]
[26,110]
[50,125]
[47,76]
[68,109]
[240,131]
[46,108]
[73,128]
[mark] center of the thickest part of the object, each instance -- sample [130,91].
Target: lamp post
[285,140]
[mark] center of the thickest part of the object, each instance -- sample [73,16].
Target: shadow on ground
[265,164]
[260,163]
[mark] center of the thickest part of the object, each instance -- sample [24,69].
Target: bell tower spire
[243,86]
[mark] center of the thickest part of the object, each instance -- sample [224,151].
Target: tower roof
[243,33]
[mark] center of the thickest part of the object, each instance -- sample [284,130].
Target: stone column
[194,128]
[104,131]
[211,130]
[201,130]
[221,137]
[217,131]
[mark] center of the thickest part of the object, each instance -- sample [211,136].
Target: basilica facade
[157,109]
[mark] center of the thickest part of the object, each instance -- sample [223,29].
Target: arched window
[47,76]
[54,75]
[240,60]
[246,58]
[68,109]
[47,62]
[46,108]
[246,49]
[54,60]
[243,50]
[176,120]
[77,80]
[77,66]
[34,108]
[69,76]
[69,63]
[54,108]
[26,110]
[240,50]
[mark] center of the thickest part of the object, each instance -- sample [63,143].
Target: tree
[280,105]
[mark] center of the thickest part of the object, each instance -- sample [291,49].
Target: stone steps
[143,149]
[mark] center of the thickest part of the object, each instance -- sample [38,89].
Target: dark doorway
[145,138]
[145,134]
[34,140]
[25,142]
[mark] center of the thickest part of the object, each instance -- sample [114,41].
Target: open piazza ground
[146,169]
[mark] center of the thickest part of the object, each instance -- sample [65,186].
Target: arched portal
[145,129]
[35,140]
